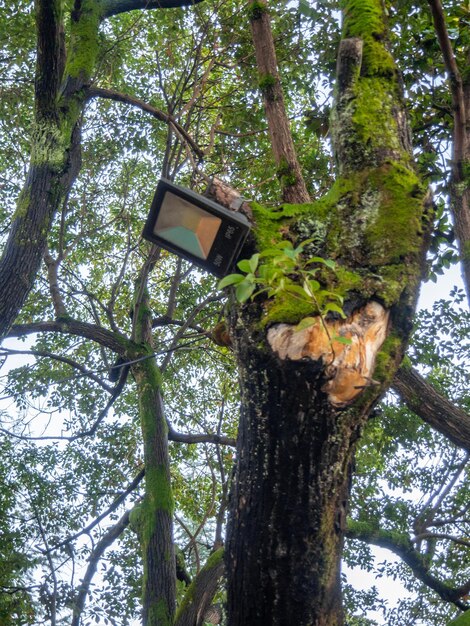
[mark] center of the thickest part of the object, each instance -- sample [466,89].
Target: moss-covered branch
[201,591]
[401,546]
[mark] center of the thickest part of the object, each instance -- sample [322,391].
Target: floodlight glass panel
[186,225]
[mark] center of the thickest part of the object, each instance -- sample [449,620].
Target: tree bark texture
[305,399]
[55,150]
[155,517]
[289,498]
[288,168]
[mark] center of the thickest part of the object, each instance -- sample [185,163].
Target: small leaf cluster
[285,270]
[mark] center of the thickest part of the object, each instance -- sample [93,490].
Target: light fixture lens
[187,226]
[195,228]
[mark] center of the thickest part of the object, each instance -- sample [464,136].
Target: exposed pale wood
[349,367]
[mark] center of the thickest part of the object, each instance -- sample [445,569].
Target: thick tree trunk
[290,494]
[305,395]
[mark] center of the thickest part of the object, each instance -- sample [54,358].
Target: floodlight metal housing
[195,228]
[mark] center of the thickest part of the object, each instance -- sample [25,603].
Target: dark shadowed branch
[114,7]
[104,337]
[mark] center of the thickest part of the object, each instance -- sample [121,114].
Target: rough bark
[155,523]
[55,150]
[288,168]
[285,534]
[305,399]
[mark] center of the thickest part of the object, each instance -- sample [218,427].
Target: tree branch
[50,57]
[114,7]
[459,192]
[403,548]
[200,592]
[98,92]
[288,168]
[200,438]
[112,340]
[108,538]
[112,507]
[62,359]
[432,407]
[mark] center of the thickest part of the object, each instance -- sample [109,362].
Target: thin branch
[61,359]
[452,538]
[107,540]
[94,92]
[112,507]
[114,7]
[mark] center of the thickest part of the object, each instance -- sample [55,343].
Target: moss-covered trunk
[156,512]
[154,518]
[61,79]
[306,396]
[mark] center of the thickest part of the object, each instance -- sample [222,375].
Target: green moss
[135,519]
[213,561]
[266,81]
[461,620]
[159,613]
[364,19]
[256,10]
[466,251]
[84,44]
[158,489]
[287,309]
[372,114]
[385,363]
[396,231]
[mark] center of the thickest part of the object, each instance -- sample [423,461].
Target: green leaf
[306,322]
[344,340]
[244,290]
[244,265]
[334,308]
[327,262]
[311,286]
[230,279]
[253,262]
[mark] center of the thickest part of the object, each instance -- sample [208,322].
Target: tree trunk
[289,499]
[154,523]
[306,395]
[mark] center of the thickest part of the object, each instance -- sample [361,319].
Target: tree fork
[302,407]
